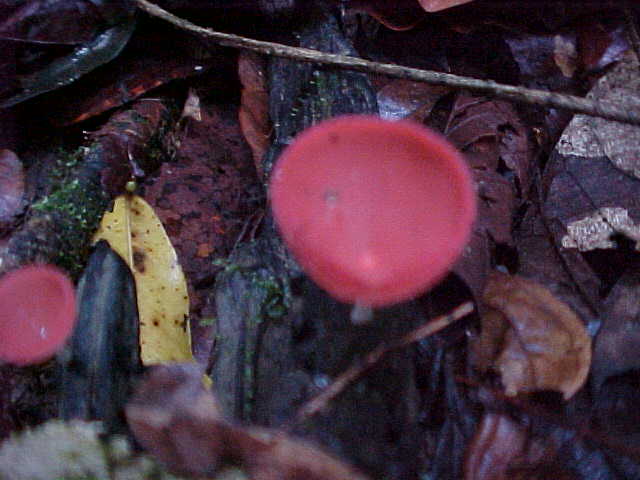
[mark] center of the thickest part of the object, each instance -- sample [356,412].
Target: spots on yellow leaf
[139,258]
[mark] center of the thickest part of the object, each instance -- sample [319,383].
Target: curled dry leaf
[497,443]
[254,105]
[179,421]
[533,339]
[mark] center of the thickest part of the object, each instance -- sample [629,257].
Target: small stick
[355,371]
[595,108]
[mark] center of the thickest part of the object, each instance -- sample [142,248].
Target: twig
[543,98]
[342,381]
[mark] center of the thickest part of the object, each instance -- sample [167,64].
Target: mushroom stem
[361,314]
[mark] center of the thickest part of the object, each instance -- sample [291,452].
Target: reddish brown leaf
[149,61]
[566,276]
[498,442]
[398,15]
[178,421]
[618,341]
[437,5]
[503,449]
[495,144]
[600,45]
[11,189]
[174,417]
[400,99]
[124,140]
[254,105]
[545,346]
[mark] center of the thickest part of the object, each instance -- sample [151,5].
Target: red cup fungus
[37,313]
[376,212]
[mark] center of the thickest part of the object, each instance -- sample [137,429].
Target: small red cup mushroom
[376,212]
[37,313]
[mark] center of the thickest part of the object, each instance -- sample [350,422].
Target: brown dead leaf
[179,421]
[497,443]
[545,346]
[437,5]
[254,105]
[592,137]
[399,15]
[11,189]
[402,99]
[545,60]
[495,144]
[504,449]
[124,140]
[150,60]
[617,344]
[591,190]
[566,275]
[600,43]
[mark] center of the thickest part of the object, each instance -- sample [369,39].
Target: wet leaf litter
[512,390]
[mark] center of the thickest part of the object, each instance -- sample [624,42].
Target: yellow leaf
[136,233]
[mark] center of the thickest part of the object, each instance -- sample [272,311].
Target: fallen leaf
[66,69]
[593,137]
[591,189]
[495,144]
[150,60]
[617,344]
[545,60]
[544,347]
[437,5]
[400,99]
[253,114]
[134,231]
[399,15]
[566,275]
[124,143]
[600,44]
[57,22]
[180,422]
[497,443]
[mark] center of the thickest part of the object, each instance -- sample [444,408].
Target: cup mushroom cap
[37,313]
[376,212]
